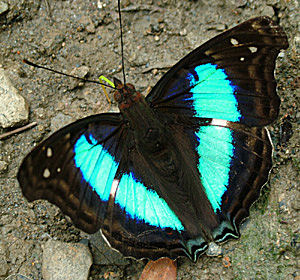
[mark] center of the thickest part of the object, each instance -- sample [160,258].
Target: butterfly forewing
[230,77]
[65,168]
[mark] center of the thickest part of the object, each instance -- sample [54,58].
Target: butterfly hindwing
[233,163]
[230,77]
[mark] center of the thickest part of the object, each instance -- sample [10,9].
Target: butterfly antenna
[64,74]
[122,44]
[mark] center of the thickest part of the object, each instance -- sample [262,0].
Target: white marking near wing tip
[46,173]
[49,152]
[242,58]
[234,41]
[58,170]
[253,49]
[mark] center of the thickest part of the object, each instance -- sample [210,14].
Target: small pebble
[3,166]
[13,107]
[80,72]
[3,7]
[214,250]
[91,28]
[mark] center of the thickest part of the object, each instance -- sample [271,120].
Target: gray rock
[80,72]
[239,3]
[268,11]
[14,109]
[91,28]
[3,7]
[103,254]
[65,261]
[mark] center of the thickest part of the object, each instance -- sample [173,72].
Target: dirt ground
[65,35]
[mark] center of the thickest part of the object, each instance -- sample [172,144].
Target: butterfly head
[125,94]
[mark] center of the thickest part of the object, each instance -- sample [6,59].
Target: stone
[3,166]
[214,250]
[66,261]
[14,109]
[3,7]
[268,11]
[80,72]
[91,28]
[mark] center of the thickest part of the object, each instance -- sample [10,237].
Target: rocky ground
[67,35]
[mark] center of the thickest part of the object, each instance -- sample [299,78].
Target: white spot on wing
[253,49]
[49,152]
[114,187]
[242,59]
[58,170]
[234,41]
[46,173]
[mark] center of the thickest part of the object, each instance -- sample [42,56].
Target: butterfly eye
[118,97]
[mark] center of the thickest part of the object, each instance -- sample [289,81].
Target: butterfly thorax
[147,128]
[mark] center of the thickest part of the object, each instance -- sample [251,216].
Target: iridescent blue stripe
[213,96]
[145,204]
[213,93]
[215,151]
[97,166]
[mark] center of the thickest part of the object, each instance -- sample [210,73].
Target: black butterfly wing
[221,95]
[232,75]
[233,161]
[93,172]
[75,167]
[140,222]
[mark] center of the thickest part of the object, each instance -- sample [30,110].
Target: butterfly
[180,168]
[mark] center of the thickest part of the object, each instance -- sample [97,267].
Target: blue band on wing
[213,93]
[215,151]
[145,204]
[97,166]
